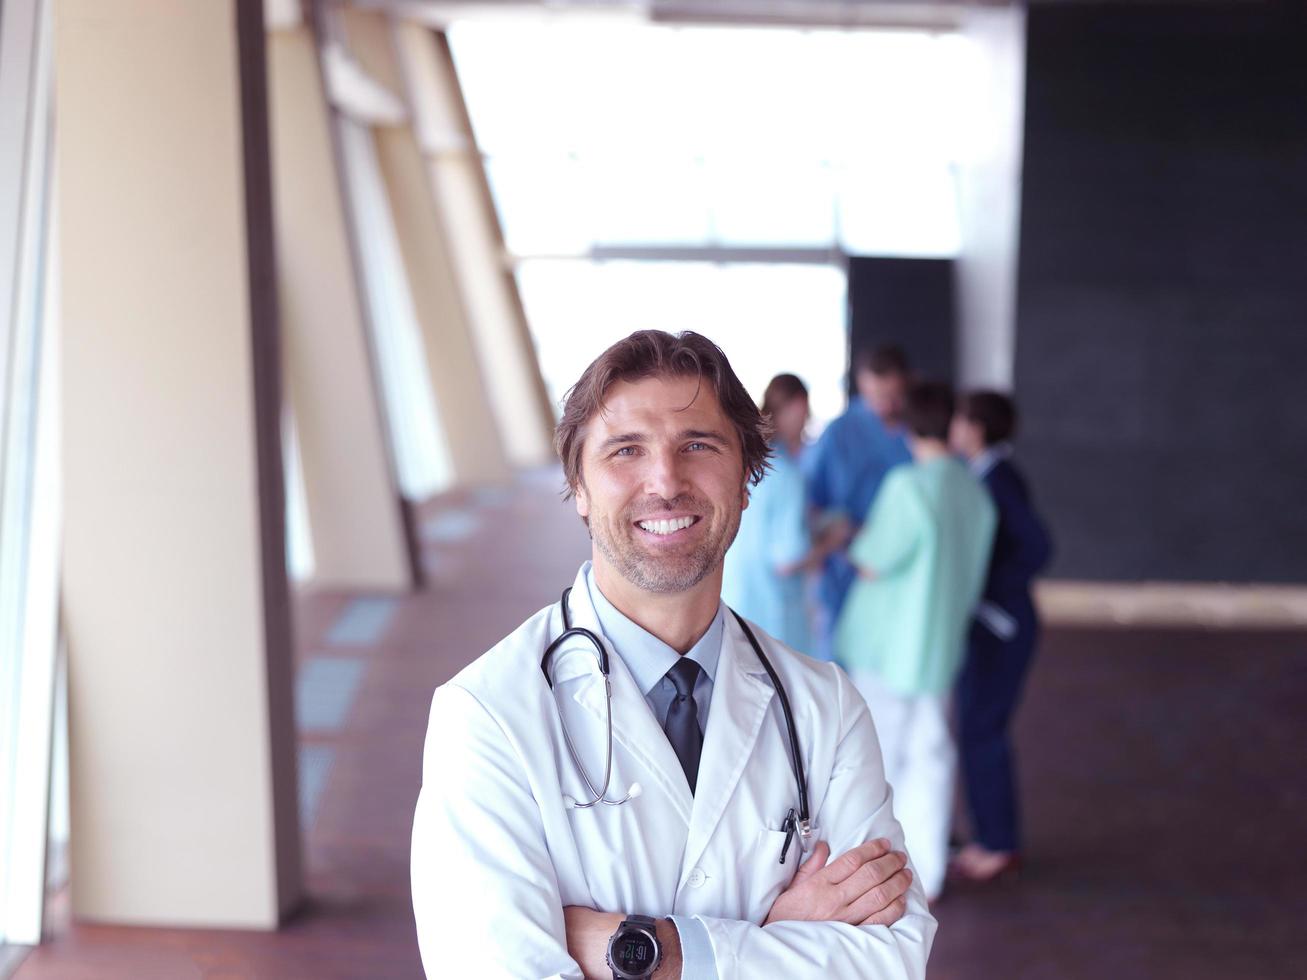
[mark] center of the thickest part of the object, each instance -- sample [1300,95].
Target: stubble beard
[663,574]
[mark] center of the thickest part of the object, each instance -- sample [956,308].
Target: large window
[420,453]
[29,477]
[598,133]
[710,178]
[754,312]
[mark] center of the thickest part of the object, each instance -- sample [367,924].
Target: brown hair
[658,354]
[882,360]
[994,412]
[781,390]
[928,409]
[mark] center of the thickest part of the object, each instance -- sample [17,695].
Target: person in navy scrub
[1002,641]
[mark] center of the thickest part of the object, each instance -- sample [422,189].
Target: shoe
[978,865]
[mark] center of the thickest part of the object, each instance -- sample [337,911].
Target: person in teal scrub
[921,557]
[764,573]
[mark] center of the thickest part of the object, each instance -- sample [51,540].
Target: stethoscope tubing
[796,758]
[601,796]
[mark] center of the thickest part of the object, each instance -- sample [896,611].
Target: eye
[626,451]
[696,446]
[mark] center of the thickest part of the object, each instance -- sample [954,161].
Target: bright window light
[626,133]
[768,319]
[605,134]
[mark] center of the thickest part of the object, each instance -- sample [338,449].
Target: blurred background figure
[763,579]
[1002,638]
[921,559]
[847,466]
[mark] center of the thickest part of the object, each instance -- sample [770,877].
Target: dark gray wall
[908,302]
[1162,303]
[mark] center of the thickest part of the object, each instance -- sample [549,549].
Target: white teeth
[666,527]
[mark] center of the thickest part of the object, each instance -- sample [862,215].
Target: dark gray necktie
[682,723]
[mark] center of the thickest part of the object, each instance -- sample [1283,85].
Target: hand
[866,886]
[588,933]
[834,535]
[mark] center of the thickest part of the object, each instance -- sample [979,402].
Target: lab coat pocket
[770,876]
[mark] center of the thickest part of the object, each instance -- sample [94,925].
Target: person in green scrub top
[921,558]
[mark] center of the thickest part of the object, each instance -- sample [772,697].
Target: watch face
[633,952]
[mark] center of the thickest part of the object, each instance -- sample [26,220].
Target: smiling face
[662,484]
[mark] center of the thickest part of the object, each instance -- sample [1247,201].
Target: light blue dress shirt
[649,659]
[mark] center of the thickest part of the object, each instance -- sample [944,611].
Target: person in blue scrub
[845,469]
[1002,639]
[764,573]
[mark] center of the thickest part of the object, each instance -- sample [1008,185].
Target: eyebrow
[628,438]
[703,434]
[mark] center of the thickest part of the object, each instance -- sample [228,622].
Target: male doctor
[689,866]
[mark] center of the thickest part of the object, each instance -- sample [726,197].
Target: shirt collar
[647,657]
[986,461]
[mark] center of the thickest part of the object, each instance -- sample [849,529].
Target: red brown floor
[1163,774]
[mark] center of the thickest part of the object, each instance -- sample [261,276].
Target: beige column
[183,782]
[504,347]
[463,405]
[356,518]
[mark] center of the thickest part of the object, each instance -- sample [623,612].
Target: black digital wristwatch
[633,950]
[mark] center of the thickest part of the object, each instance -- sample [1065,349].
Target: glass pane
[578,308]
[30,493]
[773,203]
[543,205]
[899,212]
[421,456]
[628,133]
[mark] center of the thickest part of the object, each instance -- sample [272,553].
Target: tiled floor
[1164,773]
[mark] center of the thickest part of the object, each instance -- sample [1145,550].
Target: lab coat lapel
[741,693]
[634,726]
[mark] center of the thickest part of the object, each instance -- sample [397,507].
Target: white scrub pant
[920,766]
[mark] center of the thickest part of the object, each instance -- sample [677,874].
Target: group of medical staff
[902,544]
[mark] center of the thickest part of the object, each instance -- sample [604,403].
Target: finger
[820,854]
[870,875]
[889,915]
[881,897]
[850,861]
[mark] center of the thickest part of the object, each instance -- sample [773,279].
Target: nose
[666,475]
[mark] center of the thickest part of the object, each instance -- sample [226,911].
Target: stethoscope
[800,822]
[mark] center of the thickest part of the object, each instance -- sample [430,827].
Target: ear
[744,502]
[582,501]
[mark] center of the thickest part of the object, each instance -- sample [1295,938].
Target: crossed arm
[486,894]
[866,886]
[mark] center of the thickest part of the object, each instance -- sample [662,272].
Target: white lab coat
[497,854]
